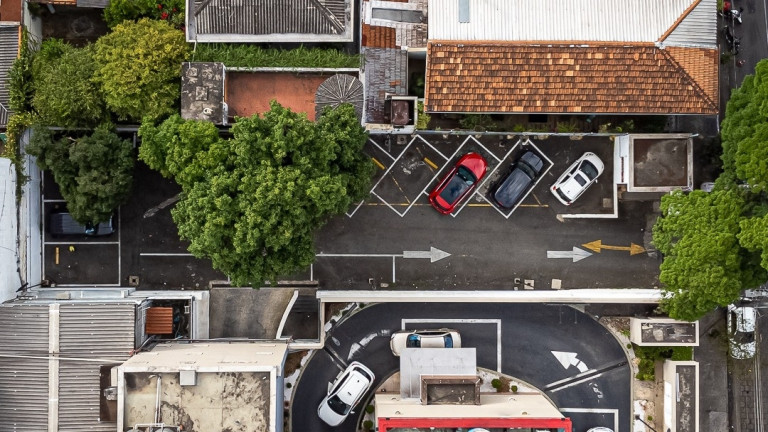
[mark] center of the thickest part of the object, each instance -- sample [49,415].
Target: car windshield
[413,341]
[448,341]
[589,170]
[338,406]
[459,183]
[562,195]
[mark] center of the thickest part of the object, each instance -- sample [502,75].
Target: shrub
[244,55]
[514,389]
[423,118]
[20,78]
[138,67]
[367,425]
[496,383]
[649,355]
[65,94]
[370,409]
[118,11]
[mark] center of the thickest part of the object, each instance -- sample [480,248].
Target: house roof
[9,50]
[573,56]
[270,21]
[693,22]
[604,78]
[52,355]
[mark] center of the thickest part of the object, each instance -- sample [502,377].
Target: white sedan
[741,331]
[577,178]
[440,338]
[344,393]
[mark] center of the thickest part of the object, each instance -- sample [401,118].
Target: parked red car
[458,183]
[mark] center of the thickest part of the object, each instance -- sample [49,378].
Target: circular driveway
[560,350]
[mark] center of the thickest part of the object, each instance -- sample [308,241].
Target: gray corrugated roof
[9,50]
[102,331]
[269,20]
[24,383]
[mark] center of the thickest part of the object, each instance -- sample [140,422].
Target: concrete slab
[246,312]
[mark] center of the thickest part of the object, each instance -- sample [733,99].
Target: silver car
[577,178]
[344,393]
[741,331]
[440,338]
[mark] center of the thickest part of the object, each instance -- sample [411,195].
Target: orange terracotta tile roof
[609,78]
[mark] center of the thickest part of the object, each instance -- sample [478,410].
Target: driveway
[520,340]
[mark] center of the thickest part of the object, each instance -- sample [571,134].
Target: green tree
[65,94]
[94,172]
[704,265]
[138,67]
[174,148]
[745,131]
[252,203]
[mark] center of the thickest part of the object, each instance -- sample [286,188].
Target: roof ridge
[679,21]
[698,88]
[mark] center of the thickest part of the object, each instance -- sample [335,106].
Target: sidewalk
[712,355]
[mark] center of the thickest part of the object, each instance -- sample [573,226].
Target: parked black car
[62,224]
[512,188]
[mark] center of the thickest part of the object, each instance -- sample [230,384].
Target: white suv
[344,393]
[741,331]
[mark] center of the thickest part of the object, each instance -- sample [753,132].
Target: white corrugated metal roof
[573,20]
[103,331]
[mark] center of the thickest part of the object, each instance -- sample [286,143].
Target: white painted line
[484,181]
[356,208]
[393,269]
[486,150]
[575,255]
[433,148]
[405,321]
[387,204]
[54,201]
[379,147]
[575,295]
[389,168]
[577,382]
[166,254]
[435,176]
[568,359]
[119,247]
[90,285]
[614,412]
[83,243]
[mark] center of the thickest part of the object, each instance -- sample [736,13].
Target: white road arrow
[576,254]
[434,254]
[568,359]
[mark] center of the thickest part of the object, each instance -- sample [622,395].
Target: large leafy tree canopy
[715,245]
[252,203]
[138,66]
[94,172]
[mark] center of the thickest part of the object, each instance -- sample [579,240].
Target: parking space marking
[82,243]
[614,412]
[166,254]
[486,179]
[54,201]
[379,147]
[430,163]
[521,143]
[405,321]
[378,164]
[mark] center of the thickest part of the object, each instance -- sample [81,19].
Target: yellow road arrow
[597,245]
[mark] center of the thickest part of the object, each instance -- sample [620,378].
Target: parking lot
[395,238]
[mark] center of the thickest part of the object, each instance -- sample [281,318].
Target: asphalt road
[528,336]
[487,249]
